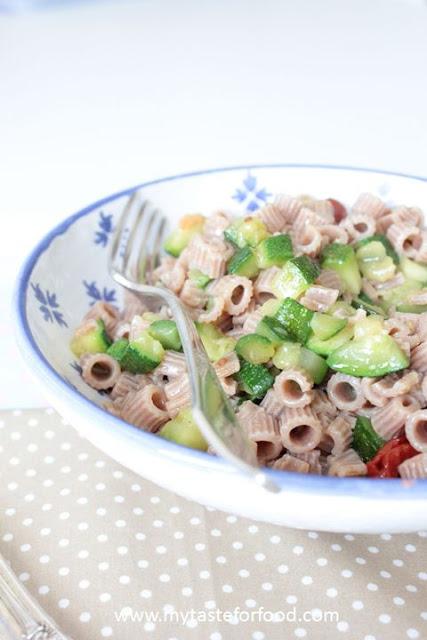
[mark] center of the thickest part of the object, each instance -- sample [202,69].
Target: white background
[100,96]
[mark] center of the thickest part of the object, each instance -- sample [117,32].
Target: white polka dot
[15,435]
[291,599]
[331,592]
[423,615]
[215,636]
[122,550]
[63,603]
[64,542]
[313,534]
[253,528]
[48,459]
[384,618]
[106,632]
[346,573]
[385,536]
[412,633]
[187,591]
[140,536]
[244,573]
[46,506]
[10,512]
[411,587]
[83,554]
[385,574]
[258,635]
[164,577]
[83,526]
[250,603]
[49,434]
[24,576]
[227,588]
[369,637]
[63,571]
[14,461]
[105,597]
[103,566]
[360,560]
[25,547]
[120,523]
[398,563]
[27,522]
[410,548]
[300,632]
[118,474]
[84,584]
[210,604]
[373,550]
[12,486]
[237,545]
[275,539]
[307,580]
[259,557]
[195,521]
[215,532]
[283,568]
[349,537]
[44,559]
[65,492]
[158,523]
[182,562]
[138,511]
[422,575]
[178,535]
[30,473]
[398,601]
[322,562]
[64,515]
[29,497]
[336,547]
[44,589]
[149,626]
[267,586]
[145,593]
[102,537]
[298,549]
[119,499]
[135,487]
[371,586]
[342,625]
[221,560]
[124,579]
[65,469]
[65,446]
[231,519]
[100,486]
[8,537]
[85,616]
[357,605]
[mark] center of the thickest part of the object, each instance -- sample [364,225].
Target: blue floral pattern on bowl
[250,194]
[97,294]
[105,229]
[49,306]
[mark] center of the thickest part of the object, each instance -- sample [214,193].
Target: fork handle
[21,617]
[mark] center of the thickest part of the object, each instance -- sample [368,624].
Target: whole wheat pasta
[146,408]
[106,312]
[323,406]
[227,365]
[173,365]
[127,382]
[313,458]
[359,226]
[371,393]
[346,392]
[421,255]
[358,315]
[411,216]
[396,281]
[419,358]
[272,217]
[132,306]
[225,322]
[251,322]
[304,218]
[207,256]
[288,206]
[192,295]
[421,326]
[318,298]
[178,395]
[229,385]
[238,321]
[397,385]
[272,404]
[370,205]
[416,430]
[264,282]
[261,428]
[330,279]
[369,290]
[333,233]
[337,437]
[424,388]
[236,291]
[347,464]
[115,406]
[324,209]
[216,224]
[389,420]
[99,370]
[173,278]
[137,326]
[294,388]
[215,311]
[413,468]
[405,239]
[290,463]
[300,429]
[308,241]
[121,330]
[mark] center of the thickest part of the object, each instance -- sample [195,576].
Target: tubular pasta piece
[346,392]
[388,420]
[397,385]
[294,388]
[128,382]
[288,206]
[405,239]
[422,251]
[121,330]
[324,209]
[308,241]
[236,292]
[227,365]
[263,283]
[322,405]
[338,435]
[229,385]
[359,226]
[318,298]
[146,408]
[173,365]
[370,205]
[192,295]
[261,428]
[239,321]
[216,310]
[290,463]
[348,464]
[251,322]
[419,357]
[138,326]
[207,256]
[178,395]
[300,429]
[415,467]
[314,460]
[333,233]
[416,430]
[371,393]
[132,306]
[272,404]
[272,217]
[99,370]
[104,311]
[329,279]
[216,224]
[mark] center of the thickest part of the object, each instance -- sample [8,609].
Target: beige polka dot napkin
[109,554]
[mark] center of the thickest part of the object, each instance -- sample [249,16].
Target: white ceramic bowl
[67,272]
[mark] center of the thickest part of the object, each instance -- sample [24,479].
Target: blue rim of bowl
[305,483]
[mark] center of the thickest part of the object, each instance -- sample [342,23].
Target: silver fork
[135,253]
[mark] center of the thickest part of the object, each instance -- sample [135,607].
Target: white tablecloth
[98,96]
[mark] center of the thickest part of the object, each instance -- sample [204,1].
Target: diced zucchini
[200,279]
[399,297]
[183,430]
[189,225]
[413,270]
[90,338]
[295,277]
[272,329]
[342,259]
[274,251]
[366,442]
[166,332]
[374,263]
[254,379]
[295,318]
[314,364]
[118,349]
[325,326]
[287,355]
[248,231]
[341,309]
[243,263]
[143,354]
[325,347]
[269,308]
[370,356]
[364,302]
[255,348]
[379,237]
[370,326]
[216,344]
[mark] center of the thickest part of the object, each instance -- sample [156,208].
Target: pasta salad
[314,316]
